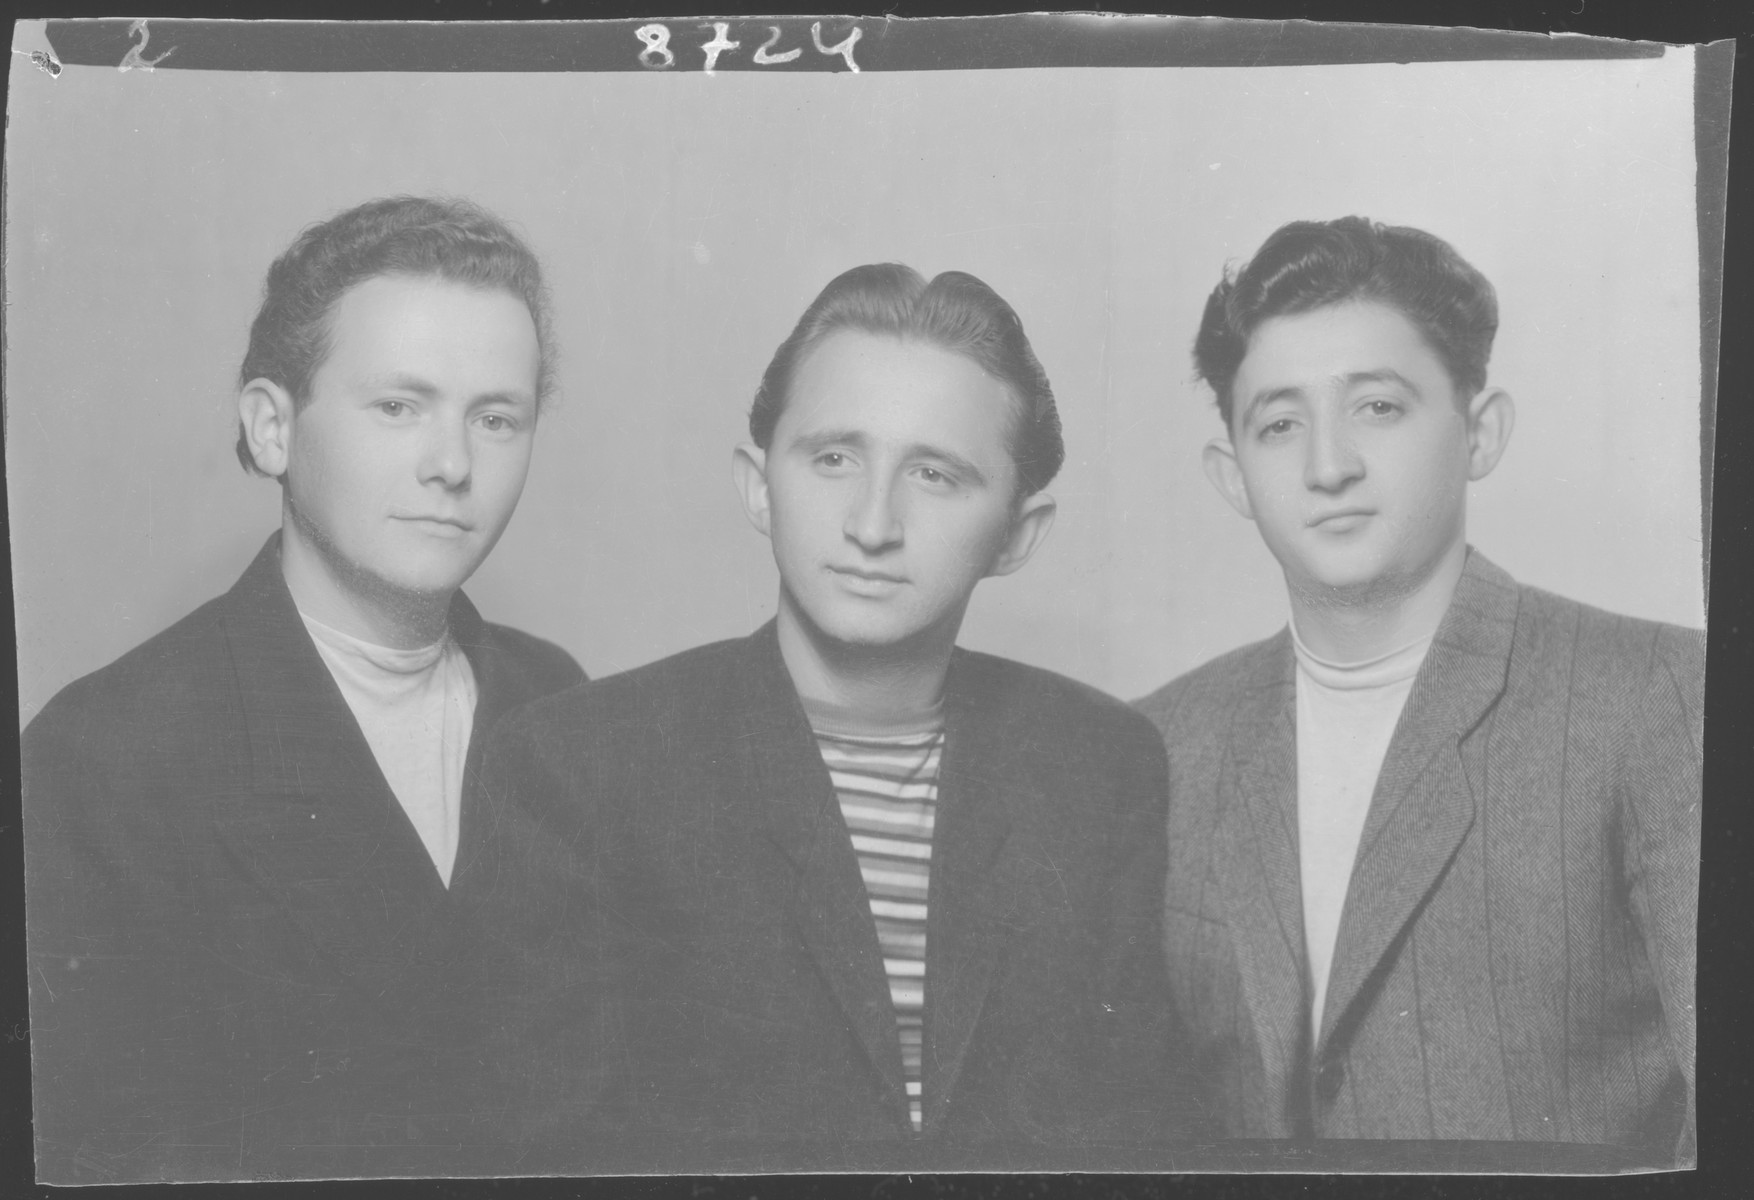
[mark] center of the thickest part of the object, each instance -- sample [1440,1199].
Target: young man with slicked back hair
[857,898]
[252,846]
[1434,847]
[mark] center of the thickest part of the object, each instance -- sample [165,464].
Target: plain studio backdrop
[685,220]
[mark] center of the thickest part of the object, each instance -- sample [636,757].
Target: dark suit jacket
[243,962]
[719,906]
[1515,957]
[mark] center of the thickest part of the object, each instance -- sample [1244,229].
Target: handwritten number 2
[762,57]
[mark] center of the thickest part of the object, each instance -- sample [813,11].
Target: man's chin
[864,637]
[426,586]
[1360,589]
[1339,588]
[419,581]
[854,635]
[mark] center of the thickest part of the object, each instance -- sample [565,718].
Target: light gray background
[685,221]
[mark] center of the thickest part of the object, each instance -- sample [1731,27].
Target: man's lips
[1341,518]
[866,575]
[456,523]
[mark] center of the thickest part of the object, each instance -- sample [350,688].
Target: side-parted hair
[421,237]
[1308,265]
[955,312]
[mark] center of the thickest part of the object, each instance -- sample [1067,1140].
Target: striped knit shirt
[886,779]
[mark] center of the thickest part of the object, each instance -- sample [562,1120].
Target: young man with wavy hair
[1434,847]
[252,845]
[858,898]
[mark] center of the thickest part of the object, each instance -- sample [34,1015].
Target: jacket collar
[978,875]
[972,872]
[828,901]
[1423,805]
[1256,841]
[319,826]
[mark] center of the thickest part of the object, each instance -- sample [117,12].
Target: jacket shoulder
[1063,708]
[544,667]
[1609,649]
[1191,700]
[133,731]
[695,677]
[167,674]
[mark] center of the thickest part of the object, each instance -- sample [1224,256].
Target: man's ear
[1029,528]
[265,410]
[749,473]
[1219,459]
[1491,417]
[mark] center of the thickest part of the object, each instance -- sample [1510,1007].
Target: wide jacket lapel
[1257,856]
[827,897]
[319,827]
[1423,805]
[977,880]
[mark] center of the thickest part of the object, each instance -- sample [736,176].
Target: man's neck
[1374,624]
[878,682]
[355,602]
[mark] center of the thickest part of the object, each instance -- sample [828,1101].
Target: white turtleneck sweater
[1346,714]
[416,709]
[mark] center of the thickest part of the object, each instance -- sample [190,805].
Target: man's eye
[495,422]
[1381,408]
[933,475]
[833,458]
[393,408]
[1277,428]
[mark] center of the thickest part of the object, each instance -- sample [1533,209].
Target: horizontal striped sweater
[886,780]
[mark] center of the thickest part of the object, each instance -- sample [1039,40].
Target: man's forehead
[393,311]
[411,287]
[1359,341]
[430,336]
[894,390]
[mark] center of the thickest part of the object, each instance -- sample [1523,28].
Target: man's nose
[874,519]
[446,455]
[1332,461]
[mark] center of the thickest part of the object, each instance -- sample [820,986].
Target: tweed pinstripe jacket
[1516,955]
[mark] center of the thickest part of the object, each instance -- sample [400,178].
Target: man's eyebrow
[1263,398]
[399,382]
[1381,375]
[427,390]
[827,439]
[510,399]
[1350,380]
[822,439]
[958,465]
